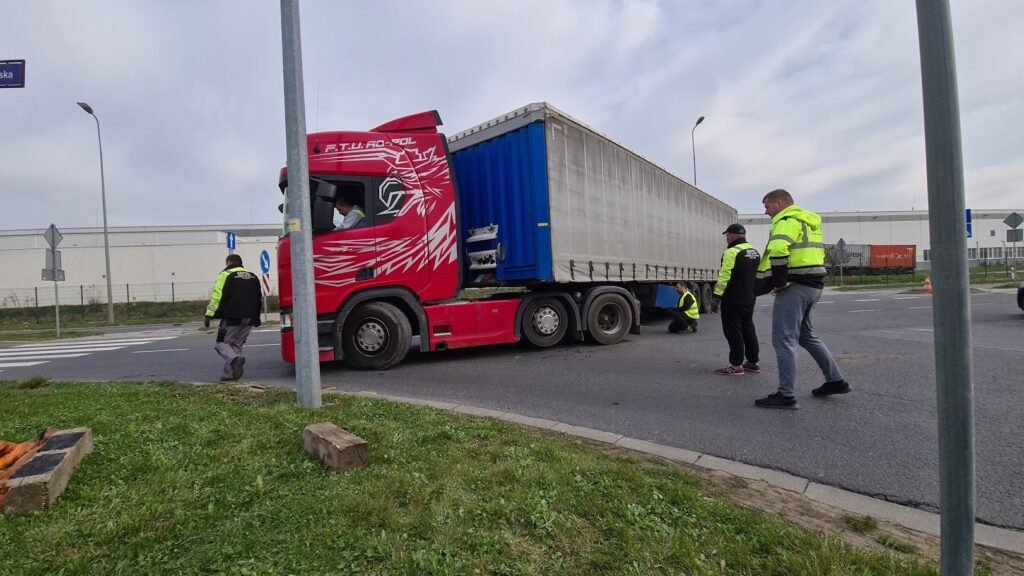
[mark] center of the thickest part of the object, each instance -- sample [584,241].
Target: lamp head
[85,107]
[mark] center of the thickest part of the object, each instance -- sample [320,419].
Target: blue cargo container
[503,182]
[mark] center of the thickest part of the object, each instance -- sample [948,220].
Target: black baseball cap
[735,229]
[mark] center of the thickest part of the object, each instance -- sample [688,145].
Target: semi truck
[871,258]
[566,234]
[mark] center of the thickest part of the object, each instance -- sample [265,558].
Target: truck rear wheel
[705,298]
[609,318]
[545,322]
[376,336]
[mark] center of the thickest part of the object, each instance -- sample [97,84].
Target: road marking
[155,351]
[924,329]
[48,357]
[97,342]
[10,352]
[919,307]
[906,298]
[828,302]
[979,346]
[258,345]
[853,311]
[268,330]
[868,300]
[19,364]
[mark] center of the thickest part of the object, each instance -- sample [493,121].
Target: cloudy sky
[822,98]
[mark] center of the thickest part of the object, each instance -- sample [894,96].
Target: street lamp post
[103,196]
[694,149]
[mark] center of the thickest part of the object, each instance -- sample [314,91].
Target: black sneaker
[237,367]
[777,400]
[830,388]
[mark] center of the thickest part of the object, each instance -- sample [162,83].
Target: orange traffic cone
[927,289]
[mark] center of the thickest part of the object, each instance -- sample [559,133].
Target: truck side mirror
[323,215]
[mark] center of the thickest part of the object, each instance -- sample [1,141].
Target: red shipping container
[894,256]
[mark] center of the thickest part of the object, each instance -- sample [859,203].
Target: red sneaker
[730,371]
[751,366]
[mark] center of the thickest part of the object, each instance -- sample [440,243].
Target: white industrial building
[161,263]
[987,242]
[150,263]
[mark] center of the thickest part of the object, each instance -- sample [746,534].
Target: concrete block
[40,482]
[772,477]
[677,454]
[335,447]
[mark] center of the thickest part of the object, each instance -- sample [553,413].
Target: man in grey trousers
[237,300]
[793,269]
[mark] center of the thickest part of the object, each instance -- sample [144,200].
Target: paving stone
[589,433]
[338,449]
[528,421]
[672,453]
[772,477]
[475,411]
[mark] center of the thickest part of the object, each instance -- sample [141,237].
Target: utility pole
[299,220]
[951,314]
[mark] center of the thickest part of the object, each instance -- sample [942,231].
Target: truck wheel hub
[545,321]
[371,336]
[609,320]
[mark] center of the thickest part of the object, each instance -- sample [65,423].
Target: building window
[928,255]
[991,232]
[972,254]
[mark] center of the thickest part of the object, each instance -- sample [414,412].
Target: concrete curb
[912,518]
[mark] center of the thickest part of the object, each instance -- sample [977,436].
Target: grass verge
[213,480]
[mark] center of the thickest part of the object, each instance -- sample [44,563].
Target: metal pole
[952,311]
[307,364]
[56,302]
[106,238]
[693,148]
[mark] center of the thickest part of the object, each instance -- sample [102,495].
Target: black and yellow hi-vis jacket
[236,296]
[739,270]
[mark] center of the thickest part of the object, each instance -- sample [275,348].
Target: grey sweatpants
[791,325]
[230,340]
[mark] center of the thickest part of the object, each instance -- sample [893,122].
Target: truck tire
[545,322]
[705,298]
[375,336]
[609,319]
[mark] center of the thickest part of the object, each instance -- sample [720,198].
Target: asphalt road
[880,440]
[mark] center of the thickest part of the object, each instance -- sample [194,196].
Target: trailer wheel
[545,322]
[609,318]
[705,298]
[376,336]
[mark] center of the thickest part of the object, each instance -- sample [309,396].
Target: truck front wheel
[545,322]
[609,318]
[376,336]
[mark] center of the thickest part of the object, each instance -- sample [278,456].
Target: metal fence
[71,294]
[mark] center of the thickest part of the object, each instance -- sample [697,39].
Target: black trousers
[680,322]
[738,326]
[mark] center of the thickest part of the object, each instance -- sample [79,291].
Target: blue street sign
[231,240]
[968,222]
[265,262]
[12,73]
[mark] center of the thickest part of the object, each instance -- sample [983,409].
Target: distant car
[1020,296]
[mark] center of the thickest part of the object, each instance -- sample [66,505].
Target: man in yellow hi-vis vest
[686,314]
[793,269]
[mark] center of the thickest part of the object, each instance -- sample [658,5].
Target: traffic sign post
[840,248]
[265,268]
[1013,235]
[53,272]
[969,231]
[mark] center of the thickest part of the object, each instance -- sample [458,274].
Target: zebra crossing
[25,355]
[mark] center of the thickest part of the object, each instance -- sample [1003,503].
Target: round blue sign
[265,262]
